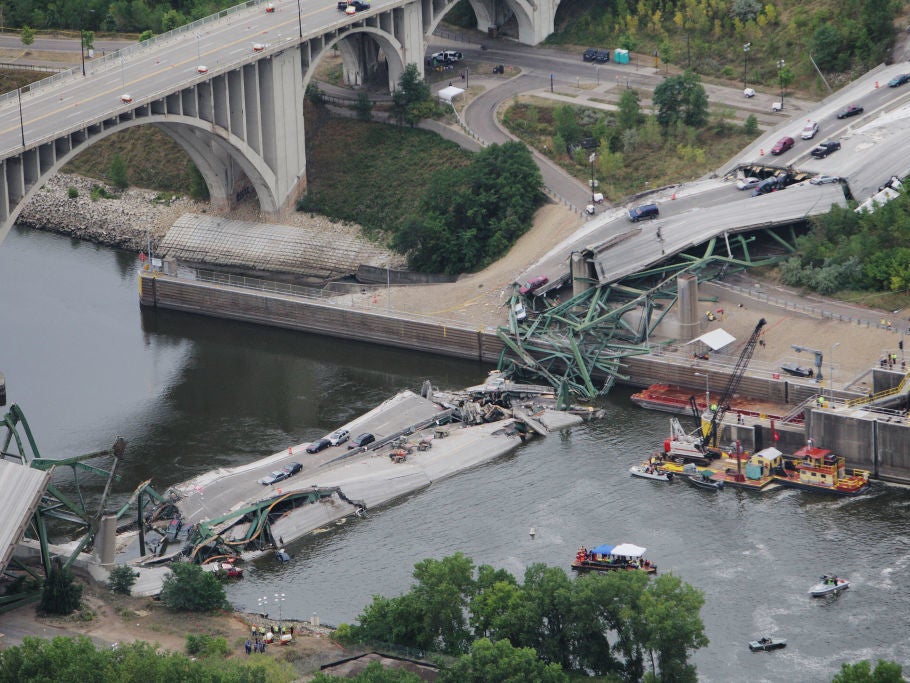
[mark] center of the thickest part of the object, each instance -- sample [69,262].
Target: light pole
[21,123]
[198,49]
[780,77]
[592,158]
[707,390]
[279,598]
[81,45]
[299,22]
[263,602]
[746,48]
[831,366]
[388,287]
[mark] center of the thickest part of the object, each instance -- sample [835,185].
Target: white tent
[715,339]
[449,93]
[628,550]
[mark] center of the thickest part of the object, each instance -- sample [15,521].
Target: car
[445,57]
[765,186]
[202,69]
[589,55]
[338,437]
[269,8]
[898,80]
[125,98]
[273,477]
[825,148]
[520,312]
[603,56]
[362,440]
[532,284]
[749,92]
[824,179]
[749,183]
[291,469]
[809,130]
[258,47]
[638,213]
[318,445]
[783,145]
[851,110]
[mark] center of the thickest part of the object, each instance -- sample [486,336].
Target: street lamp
[780,76]
[388,289]
[707,390]
[81,45]
[592,158]
[831,365]
[279,598]
[299,22]
[746,48]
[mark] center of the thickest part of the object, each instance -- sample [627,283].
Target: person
[248,646]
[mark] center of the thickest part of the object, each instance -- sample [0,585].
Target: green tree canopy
[60,593]
[681,99]
[500,662]
[189,588]
[862,672]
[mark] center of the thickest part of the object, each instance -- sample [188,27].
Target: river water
[190,394]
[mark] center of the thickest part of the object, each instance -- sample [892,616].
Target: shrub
[122,579]
[72,192]
[206,645]
[117,172]
[60,594]
[190,589]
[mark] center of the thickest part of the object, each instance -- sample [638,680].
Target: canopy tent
[602,549]
[715,339]
[449,93]
[628,550]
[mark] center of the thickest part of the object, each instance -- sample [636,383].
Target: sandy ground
[123,619]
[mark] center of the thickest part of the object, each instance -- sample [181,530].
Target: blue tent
[602,549]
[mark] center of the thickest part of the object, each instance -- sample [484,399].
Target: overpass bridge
[228,89]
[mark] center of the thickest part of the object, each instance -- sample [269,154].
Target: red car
[533,283]
[782,145]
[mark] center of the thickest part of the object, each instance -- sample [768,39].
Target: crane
[723,404]
[818,359]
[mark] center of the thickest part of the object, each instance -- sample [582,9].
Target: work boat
[818,469]
[608,558]
[650,472]
[828,585]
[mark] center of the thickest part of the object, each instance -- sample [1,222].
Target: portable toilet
[621,56]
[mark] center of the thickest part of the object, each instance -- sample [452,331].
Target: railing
[893,391]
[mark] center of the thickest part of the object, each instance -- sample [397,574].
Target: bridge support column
[409,30]
[536,18]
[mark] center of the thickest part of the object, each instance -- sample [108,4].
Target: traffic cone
[674,196]
[876,85]
[762,152]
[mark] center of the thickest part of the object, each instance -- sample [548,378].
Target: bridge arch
[535,18]
[358,63]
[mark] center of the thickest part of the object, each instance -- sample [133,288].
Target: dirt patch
[107,618]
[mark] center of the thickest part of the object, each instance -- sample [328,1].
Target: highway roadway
[148,72]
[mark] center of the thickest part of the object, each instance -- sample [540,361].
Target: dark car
[318,445]
[363,440]
[852,110]
[825,148]
[273,477]
[783,145]
[589,55]
[765,186]
[532,284]
[291,469]
[640,213]
[900,79]
[602,56]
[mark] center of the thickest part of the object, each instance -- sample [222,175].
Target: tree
[629,115]
[374,673]
[750,125]
[117,173]
[825,46]
[60,594]
[122,578]
[189,588]
[681,99]
[28,35]
[861,672]
[88,40]
[500,662]
[364,107]
[411,92]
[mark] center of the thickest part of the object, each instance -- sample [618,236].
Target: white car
[258,47]
[126,99]
[747,183]
[338,437]
[202,69]
[809,130]
[520,312]
[824,179]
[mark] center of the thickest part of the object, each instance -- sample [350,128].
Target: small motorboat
[282,555]
[702,480]
[828,585]
[650,472]
[766,644]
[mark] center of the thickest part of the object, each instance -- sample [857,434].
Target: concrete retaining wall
[266,308]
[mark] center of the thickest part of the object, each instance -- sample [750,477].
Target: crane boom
[735,377]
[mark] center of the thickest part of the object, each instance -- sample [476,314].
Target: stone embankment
[128,220]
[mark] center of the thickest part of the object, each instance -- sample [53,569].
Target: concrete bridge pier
[536,18]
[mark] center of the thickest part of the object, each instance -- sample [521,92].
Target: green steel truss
[580,344]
